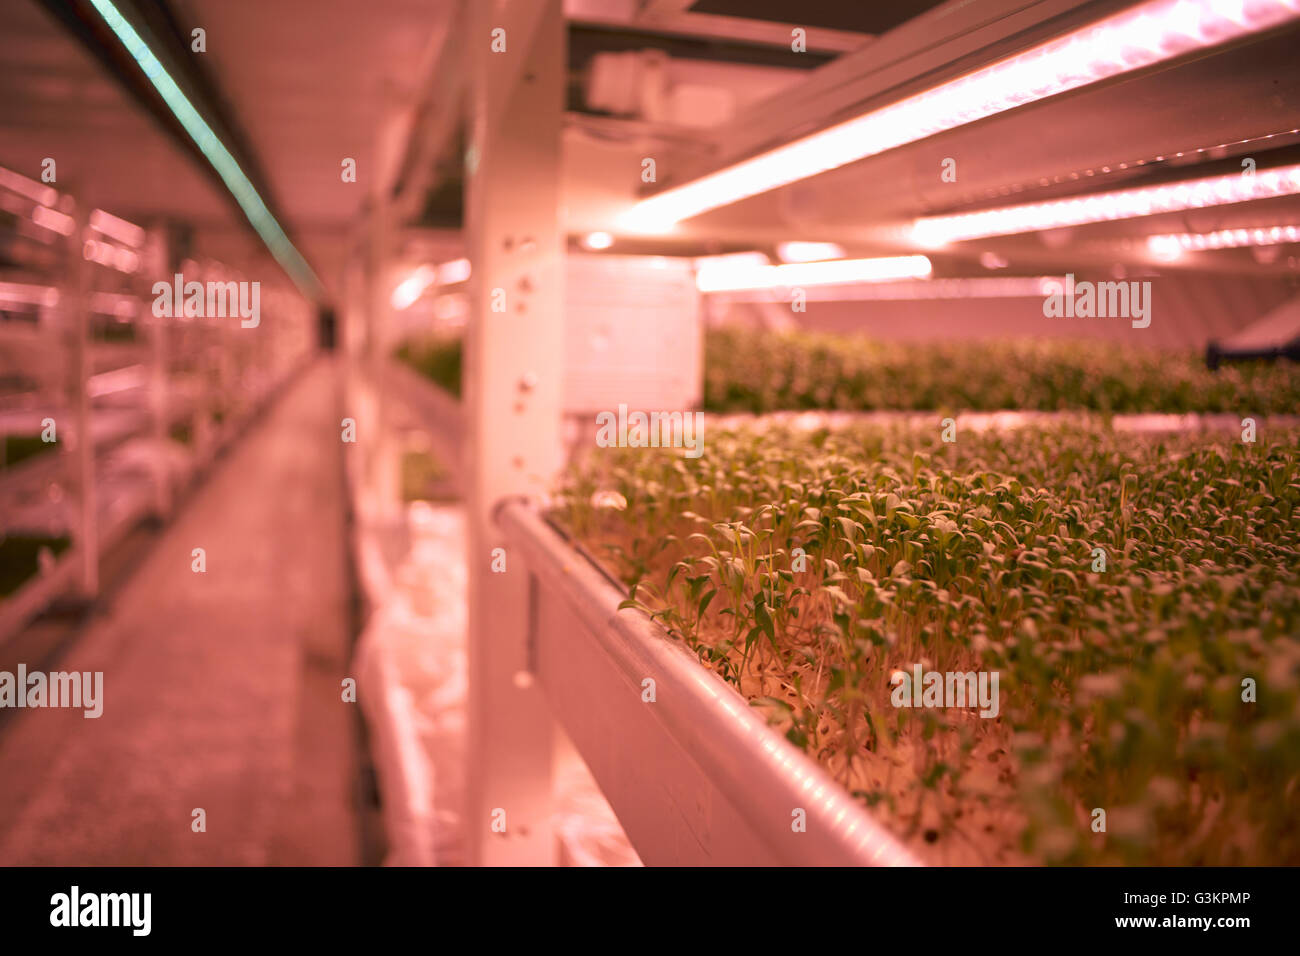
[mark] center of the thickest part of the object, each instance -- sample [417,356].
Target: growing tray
[696,776]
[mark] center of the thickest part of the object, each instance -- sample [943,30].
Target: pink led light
[27,187]
[124,260]
[1148,34]
[935,231]
[457,270]
[903,290]
[1172,246]
[53,220]
[809,251]
[743,275]
[23,294]
[410,289]
[127,233]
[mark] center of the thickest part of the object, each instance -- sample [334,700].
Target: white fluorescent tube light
[127,233]
[934,231]
[117,380]
[45,195]
[918,290]
[53,220]
[1140,37]
[23,294]
[737,276]
[215,151]
[456,270]
[809,251]
[1173,246]
[410,289]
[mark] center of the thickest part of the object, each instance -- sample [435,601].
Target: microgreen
[1121,688]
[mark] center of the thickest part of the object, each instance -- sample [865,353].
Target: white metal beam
[513,363]
[75,300]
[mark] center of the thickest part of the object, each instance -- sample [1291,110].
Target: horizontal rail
[695,775]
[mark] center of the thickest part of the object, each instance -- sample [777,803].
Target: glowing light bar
[117,380]
[457,270]
[53,220]
[1106,207]
[736,276]
[1140,37]
[1173,246]
[808,251]
[20,293]
[410,289]
[909,290]
[597,240]
[107,254]
[28,187]
[215,151]
[127,233]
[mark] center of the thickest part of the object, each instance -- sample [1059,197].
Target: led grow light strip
[919,290]
[808,251]
[1148,34]
[53,220]
[1176,244]
[127,233]
[20,293]
[410,289]
[1106,207]
[240,186]
[16,182]
[730,275]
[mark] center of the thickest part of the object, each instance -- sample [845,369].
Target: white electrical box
[632,335]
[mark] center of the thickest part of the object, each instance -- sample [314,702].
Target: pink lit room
[649,434]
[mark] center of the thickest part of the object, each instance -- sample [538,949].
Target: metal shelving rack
[695,777]
[79,344]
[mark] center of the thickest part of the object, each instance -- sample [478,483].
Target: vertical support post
[514,356]
[154,256]
[378,478]
[76,309]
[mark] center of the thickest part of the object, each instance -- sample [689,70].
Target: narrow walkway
[221,689]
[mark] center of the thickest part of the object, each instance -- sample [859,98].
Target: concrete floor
[221,689]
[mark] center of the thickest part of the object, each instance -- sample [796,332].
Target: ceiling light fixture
[1145,35]
[240,186]
[1172,246]
[410,289]
[935,231]
[809,251]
